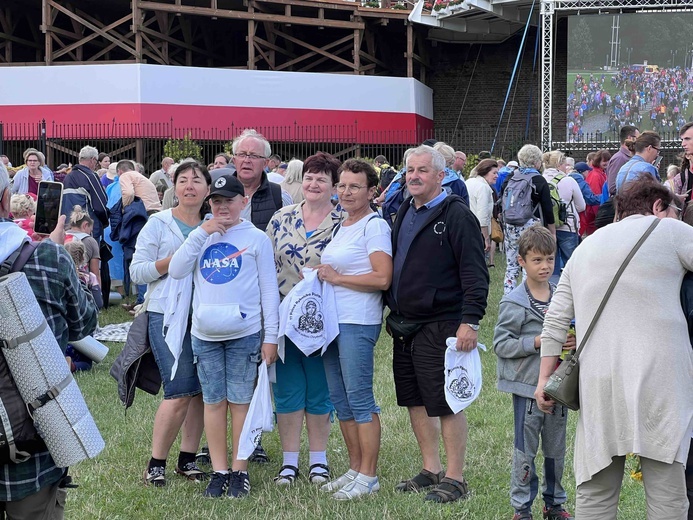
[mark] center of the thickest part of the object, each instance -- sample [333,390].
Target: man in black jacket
[440,282]
[250,156]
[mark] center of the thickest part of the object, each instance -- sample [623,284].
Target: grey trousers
[531,425]
[665,491]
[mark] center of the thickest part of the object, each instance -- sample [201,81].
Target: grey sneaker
[155,476]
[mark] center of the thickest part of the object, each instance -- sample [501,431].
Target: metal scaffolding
[551,8]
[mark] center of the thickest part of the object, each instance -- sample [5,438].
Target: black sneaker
[217,485]
[239,484]
[203,456]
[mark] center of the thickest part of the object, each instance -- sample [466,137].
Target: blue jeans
[349,370]
[567,243]
[185,383]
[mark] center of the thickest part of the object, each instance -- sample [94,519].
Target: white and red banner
[206,99]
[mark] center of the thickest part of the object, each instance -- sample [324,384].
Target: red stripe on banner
[132,120]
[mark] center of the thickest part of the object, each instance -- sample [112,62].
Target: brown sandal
[423,480]
[449,490]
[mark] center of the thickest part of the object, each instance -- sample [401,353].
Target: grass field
[110,486]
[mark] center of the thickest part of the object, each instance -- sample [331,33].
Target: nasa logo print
[221,263]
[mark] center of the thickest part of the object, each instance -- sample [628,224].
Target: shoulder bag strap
[613,284]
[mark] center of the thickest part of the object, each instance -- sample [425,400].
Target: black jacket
[265,203]
[444,275]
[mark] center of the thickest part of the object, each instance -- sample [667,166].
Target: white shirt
[348,253]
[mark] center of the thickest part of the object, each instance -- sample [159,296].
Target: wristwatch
[472,326]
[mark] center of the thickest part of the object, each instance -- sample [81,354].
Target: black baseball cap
[226,186]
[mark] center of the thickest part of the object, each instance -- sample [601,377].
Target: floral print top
[292,249]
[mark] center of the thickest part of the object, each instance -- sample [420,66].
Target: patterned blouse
[292,250]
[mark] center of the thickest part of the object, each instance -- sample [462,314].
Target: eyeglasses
[252,156]
[653,146]
[352,188]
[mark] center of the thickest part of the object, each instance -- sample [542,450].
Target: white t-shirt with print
[348,253]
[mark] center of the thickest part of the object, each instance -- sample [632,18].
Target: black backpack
[18,436]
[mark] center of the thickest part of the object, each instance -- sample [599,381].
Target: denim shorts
[301,383]
[227,369]
[349,370]
[185,383]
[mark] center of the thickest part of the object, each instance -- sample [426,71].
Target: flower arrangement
[372,3]
[437,5]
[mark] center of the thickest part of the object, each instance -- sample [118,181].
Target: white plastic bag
[260,416]
[462,375]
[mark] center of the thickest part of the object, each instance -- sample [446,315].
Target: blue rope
[512,77]
[531,88]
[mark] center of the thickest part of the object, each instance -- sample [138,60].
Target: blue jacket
[590,198]
[634,167]
[456,185]
[126,224]
[502,174]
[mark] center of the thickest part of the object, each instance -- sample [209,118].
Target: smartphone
[48,206]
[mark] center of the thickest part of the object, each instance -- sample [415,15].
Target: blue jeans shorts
[301,383]
[349,370]
[227,369]
[186,383]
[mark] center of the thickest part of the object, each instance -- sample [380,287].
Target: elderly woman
[293,180]
[160,237]
[451,182]
[556,170]
[358,262]
[636,370]
[301,389]
[530,159]
[480,188]
[27,179]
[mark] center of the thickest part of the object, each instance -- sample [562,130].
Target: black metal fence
[145,142]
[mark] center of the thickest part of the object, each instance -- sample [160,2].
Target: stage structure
[550,10]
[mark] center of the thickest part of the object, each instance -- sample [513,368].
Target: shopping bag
[462,375]
[260,416]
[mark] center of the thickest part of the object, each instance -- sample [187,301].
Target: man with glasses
[645,159]
[250,156]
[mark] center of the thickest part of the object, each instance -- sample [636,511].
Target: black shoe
[239,484]
[259,455]
[203,456]
[155,476]
[217,485]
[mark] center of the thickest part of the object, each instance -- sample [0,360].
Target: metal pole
[547,12]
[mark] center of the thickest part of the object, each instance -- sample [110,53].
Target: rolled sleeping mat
[93,349]
[42,376]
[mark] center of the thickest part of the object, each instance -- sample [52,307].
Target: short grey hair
[529,156]
[437,159]
[250,132]
[88,152]
[447,151]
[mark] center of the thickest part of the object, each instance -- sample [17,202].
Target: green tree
[580,45]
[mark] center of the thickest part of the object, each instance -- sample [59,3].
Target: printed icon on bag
[459,384]
[311,320]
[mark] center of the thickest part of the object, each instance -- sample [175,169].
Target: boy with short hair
[235,322]
[517,343]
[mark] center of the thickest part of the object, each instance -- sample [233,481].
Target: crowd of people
[661,97]
[220,257]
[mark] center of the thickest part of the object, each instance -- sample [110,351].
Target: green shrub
[179,149]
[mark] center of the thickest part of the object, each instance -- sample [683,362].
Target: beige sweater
[636,370]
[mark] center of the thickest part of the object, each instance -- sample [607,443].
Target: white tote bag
[462,375]
[308,315]
[260,416]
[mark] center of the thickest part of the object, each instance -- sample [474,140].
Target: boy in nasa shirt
[235,293]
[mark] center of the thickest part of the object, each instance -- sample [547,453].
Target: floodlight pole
[547,13]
